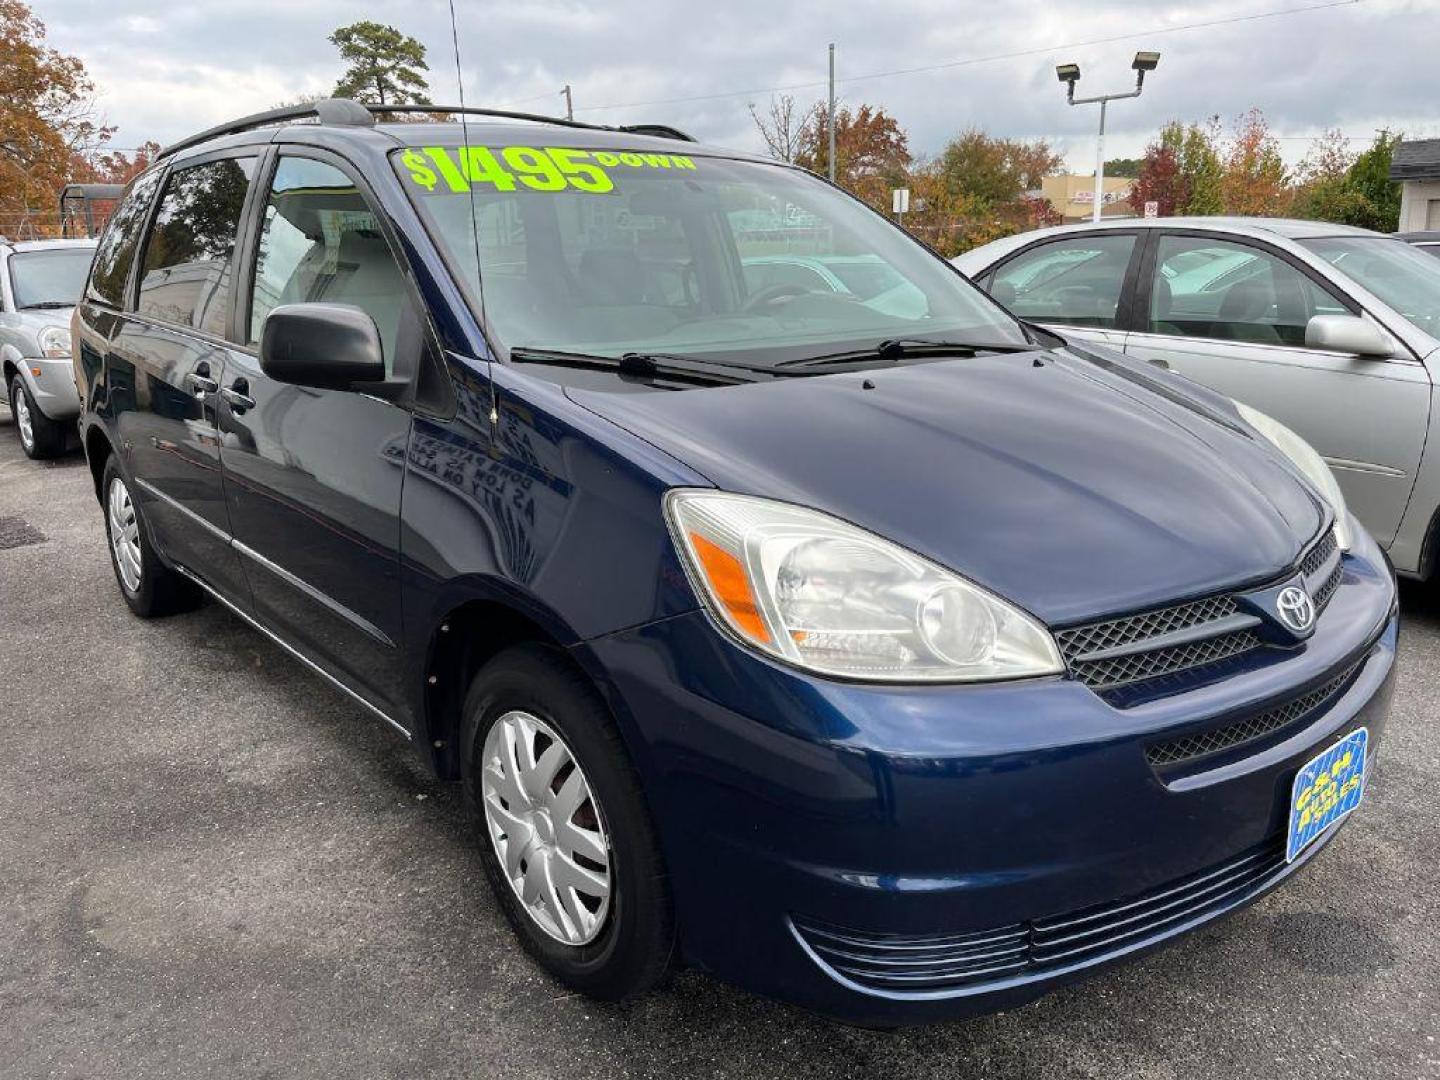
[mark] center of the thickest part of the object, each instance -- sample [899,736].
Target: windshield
[49,278]
[1406,279]
[609,253]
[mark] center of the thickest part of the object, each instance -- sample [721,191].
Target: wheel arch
[98,449]
[471,632]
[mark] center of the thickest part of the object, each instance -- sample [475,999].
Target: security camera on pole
[1069,74]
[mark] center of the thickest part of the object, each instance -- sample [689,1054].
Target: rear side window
[187,272]
[1076,281]
[116,252]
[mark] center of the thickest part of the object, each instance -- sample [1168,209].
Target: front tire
[40,437]
[149,586]
[564,832]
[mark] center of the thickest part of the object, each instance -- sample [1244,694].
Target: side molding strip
[298,655]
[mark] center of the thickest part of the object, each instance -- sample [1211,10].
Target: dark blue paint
[1079,485]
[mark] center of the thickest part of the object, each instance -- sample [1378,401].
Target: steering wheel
[771,294]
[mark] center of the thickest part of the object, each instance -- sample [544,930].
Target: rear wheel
[566,838]
[149,586]
[40,437]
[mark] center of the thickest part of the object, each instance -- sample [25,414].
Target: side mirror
[1347,334]
[325,346]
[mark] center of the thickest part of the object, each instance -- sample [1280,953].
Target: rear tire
[530,704]
[149,586]
[40,437]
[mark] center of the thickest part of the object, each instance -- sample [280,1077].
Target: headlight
[827,596]
[54,342]
[1311,464]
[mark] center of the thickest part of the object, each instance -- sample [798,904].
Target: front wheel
[40,437]
[566,838]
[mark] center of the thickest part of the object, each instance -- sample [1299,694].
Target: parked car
[1334,331]
[40,281]
[900,667]
[1428,242]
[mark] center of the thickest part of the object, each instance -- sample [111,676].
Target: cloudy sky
[165,70]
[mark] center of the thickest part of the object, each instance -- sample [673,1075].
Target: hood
[32,320]
[1076,486]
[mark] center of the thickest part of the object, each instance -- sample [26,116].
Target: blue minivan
[857,643]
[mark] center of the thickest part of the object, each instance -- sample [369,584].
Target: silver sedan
[1333,331]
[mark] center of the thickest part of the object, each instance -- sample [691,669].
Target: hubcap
[21,409]
[124,534]
[546,828]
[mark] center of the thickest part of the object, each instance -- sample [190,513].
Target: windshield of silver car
[49,278]
[1406,279]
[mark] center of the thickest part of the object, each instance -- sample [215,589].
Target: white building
[1416,165]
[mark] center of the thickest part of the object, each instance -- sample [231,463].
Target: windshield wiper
[41,304]
[893,350]
[643,365]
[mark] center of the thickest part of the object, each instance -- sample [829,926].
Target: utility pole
[831,124]
[569,103]
[1069,74]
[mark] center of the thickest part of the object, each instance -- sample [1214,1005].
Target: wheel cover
[21,408]
[124,534]
[546,827]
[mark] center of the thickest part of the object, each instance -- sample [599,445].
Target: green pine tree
[385,66]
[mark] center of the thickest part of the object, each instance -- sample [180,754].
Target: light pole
[1069,74]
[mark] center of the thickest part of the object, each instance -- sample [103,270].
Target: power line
[967,61]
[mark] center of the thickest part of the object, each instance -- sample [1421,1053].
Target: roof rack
[342,112]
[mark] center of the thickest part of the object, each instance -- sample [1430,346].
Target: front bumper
[53,389]
[804,819]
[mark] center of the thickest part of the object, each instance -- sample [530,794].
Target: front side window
[607,252]
[1401,275]
[51,278]
[1076,281]
[116,253]
[185,278]
[1226,291]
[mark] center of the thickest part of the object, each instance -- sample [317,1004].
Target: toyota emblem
[1296,609]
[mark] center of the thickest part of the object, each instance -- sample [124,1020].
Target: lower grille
[1190,748]
[900,963]
[894,962]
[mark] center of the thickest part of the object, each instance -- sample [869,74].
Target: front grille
[1319,555]
[901,963]
[1106,672]
[1202,744]
[1327,588]
[1114,652]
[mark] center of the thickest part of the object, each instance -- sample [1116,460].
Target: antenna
[474,224]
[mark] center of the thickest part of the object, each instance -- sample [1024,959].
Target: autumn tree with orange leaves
[46,122]
[1255,179]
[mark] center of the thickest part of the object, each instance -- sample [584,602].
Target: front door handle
[237,395]
[201,383]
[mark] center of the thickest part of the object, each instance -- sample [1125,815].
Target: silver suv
[40,282]
[1334,331]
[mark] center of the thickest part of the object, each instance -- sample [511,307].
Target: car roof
[1423,237]
[383,137]
[1291,228]
[18,246]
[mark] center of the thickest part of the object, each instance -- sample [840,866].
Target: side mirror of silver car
[1347,334]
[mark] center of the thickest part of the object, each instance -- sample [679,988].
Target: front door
[1232,316]
[168,359]
[313,476]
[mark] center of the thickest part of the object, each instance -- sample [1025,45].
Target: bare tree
[782,124]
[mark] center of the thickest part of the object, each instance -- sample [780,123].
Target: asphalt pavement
[212,864]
